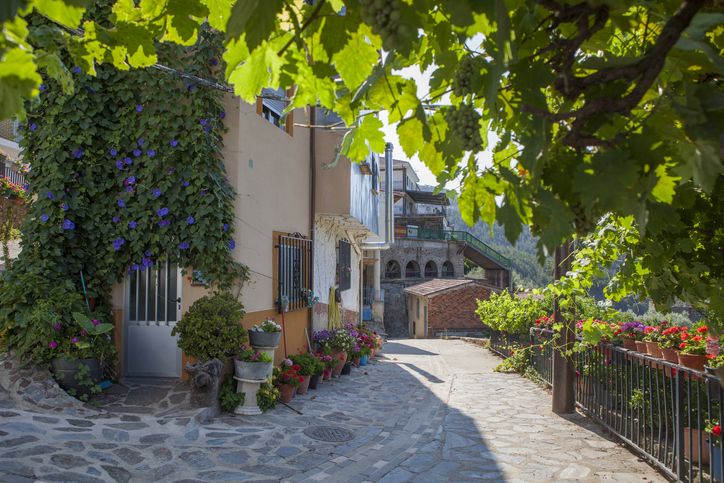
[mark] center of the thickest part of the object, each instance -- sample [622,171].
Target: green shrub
[512,314]
[267,396]
[212,327]
[308,364]
[229,399]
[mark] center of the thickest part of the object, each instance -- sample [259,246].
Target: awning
[429,198]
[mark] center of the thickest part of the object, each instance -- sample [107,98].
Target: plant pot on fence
[347,369]
[696,447]
[304,385]
[314,380]
[693,361]
[653,349]
[69,375]
[255,371]
[341,358]
[286,393]
[629,344]
[640,346]
[264,339]
[671,355]
[363,360]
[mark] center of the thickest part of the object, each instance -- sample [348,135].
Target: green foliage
[519,360]
[212,327]
[511,313]
[267,396]
[229,399]
[251,355]
[308,364]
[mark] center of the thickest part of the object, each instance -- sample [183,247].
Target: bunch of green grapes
[384,18]
[467,75]
[464,123]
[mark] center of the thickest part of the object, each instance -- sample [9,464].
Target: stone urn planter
[341,358]
[253,371]
[264,339]
[67,371]
[304,385]
[629,344]
[652,348]
[693,361]
[286,393]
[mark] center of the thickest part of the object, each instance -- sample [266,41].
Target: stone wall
[405,250]
[454,311]
[396,322]
[320,311]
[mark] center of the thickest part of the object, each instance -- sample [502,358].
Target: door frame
[127,323]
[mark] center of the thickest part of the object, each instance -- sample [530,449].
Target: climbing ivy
[126,171]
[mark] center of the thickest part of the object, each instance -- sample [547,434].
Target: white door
[153,306]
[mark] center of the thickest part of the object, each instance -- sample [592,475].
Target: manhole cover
[330,434]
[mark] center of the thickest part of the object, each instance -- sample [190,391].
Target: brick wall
[455,310]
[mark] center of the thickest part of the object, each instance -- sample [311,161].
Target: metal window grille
[294,272]
[345,265]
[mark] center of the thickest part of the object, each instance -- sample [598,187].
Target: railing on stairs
[465,237]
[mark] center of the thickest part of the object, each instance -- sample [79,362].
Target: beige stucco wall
[332,193]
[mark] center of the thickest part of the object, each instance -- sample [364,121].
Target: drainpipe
[312,206]
[389,208]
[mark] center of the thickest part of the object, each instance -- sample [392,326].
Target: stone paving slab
[430,410]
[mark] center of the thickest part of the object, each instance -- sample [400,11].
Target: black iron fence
[658,408]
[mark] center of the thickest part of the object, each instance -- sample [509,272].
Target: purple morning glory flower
[33,127]
[95,322]
[65,206]
[119,164]
[68,225]
[115,219]
[42,87]
[162,212]
[140,142]
[57,326]
[185,183]
[232,244]
[207,128]
[164,223]
[204,122]
[173,143]
[183,246]
[74,340]
[134,267]
[148,253]
[136,152]
[156,192]
[130,180]
[222,115]
[52,344]
[203,192]
[118,243]
[128,161]
[78,153]
[214,61]
[139,108]
[151,153]
[77,70]
[190,220]
[44,217]
[225,227]
[132,224]
[147,262]
[113,152]
[129,189]
[50,195]
[121,203]
[26,187]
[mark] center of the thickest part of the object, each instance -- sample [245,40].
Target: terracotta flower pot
[693,361]
[653,349]
[327,374]
[641,346]
[629,344]
[341,358]
[671,355]
[286,393]
[697,446]
[303,386]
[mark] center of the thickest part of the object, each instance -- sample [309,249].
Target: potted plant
[669,340]
[307,368]
[327,363]
[316,376]
[630,333]
[211,329]
[252,365]
[651,339]
[713,430]
[692,352]
[77,351]
[266,334]
[287,380]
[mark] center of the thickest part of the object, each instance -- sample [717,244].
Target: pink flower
[95,322]
[52,344]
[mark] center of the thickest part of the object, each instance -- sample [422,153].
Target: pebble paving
[427,410]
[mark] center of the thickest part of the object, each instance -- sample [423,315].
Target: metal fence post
[679,425]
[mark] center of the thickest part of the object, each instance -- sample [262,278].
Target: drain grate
[329,434]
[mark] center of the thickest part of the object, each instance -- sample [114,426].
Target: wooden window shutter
[345,265]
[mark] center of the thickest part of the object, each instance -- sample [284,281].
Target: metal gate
[153,306]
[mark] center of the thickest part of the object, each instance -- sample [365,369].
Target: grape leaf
[255,18]
[65,12]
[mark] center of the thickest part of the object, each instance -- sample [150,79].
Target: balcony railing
[658,408]
[465,237]
[9,130]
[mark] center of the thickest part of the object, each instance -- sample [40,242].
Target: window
[344,265]
[392,270]
[412,270]
[430,269]
[271,104]
[418,308]
[294,273]
[447,270]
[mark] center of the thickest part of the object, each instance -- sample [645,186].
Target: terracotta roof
[436,285]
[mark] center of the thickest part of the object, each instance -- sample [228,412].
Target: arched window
[447,270]
[430,269]
[392,270]
[412,270]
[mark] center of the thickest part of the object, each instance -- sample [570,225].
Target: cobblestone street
[428,410]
